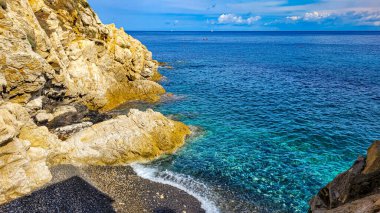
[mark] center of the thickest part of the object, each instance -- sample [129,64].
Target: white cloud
[358,18]
[250,20]
[310,16]
[293,18]
[235,19]
[315,16]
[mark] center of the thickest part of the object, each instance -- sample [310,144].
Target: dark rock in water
[196,132]
[353,185]
[165,65]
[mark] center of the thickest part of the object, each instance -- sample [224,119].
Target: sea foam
[184,182]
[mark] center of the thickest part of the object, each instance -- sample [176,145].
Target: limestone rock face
[62,50]
[140,136]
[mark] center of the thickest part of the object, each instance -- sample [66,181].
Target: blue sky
[216,15]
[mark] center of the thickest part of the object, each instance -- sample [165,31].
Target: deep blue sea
[277,114]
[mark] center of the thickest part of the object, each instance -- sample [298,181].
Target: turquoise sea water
[279,114]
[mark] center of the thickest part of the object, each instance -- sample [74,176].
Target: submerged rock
[356,190]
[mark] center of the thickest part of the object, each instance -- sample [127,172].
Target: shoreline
[103,189]
[191,186]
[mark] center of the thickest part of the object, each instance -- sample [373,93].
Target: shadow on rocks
[71,195]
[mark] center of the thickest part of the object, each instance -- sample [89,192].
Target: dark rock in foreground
[356,190]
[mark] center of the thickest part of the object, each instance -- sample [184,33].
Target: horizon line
[251,30]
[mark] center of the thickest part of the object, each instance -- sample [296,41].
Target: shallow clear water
[282,113]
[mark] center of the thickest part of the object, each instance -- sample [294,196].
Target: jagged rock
[350,186]
[373,158]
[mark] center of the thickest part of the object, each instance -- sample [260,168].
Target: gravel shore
[103,189]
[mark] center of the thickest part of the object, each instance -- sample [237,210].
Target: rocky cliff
[61,49]
[354,191]
[60,69]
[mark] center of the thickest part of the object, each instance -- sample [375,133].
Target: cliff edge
[60,70]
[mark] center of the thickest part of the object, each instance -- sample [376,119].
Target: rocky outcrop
[62,50]
[139,136]
[27,150]
[356,190]
[60,69]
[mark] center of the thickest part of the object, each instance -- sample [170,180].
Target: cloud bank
[358,18]
[235,19]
